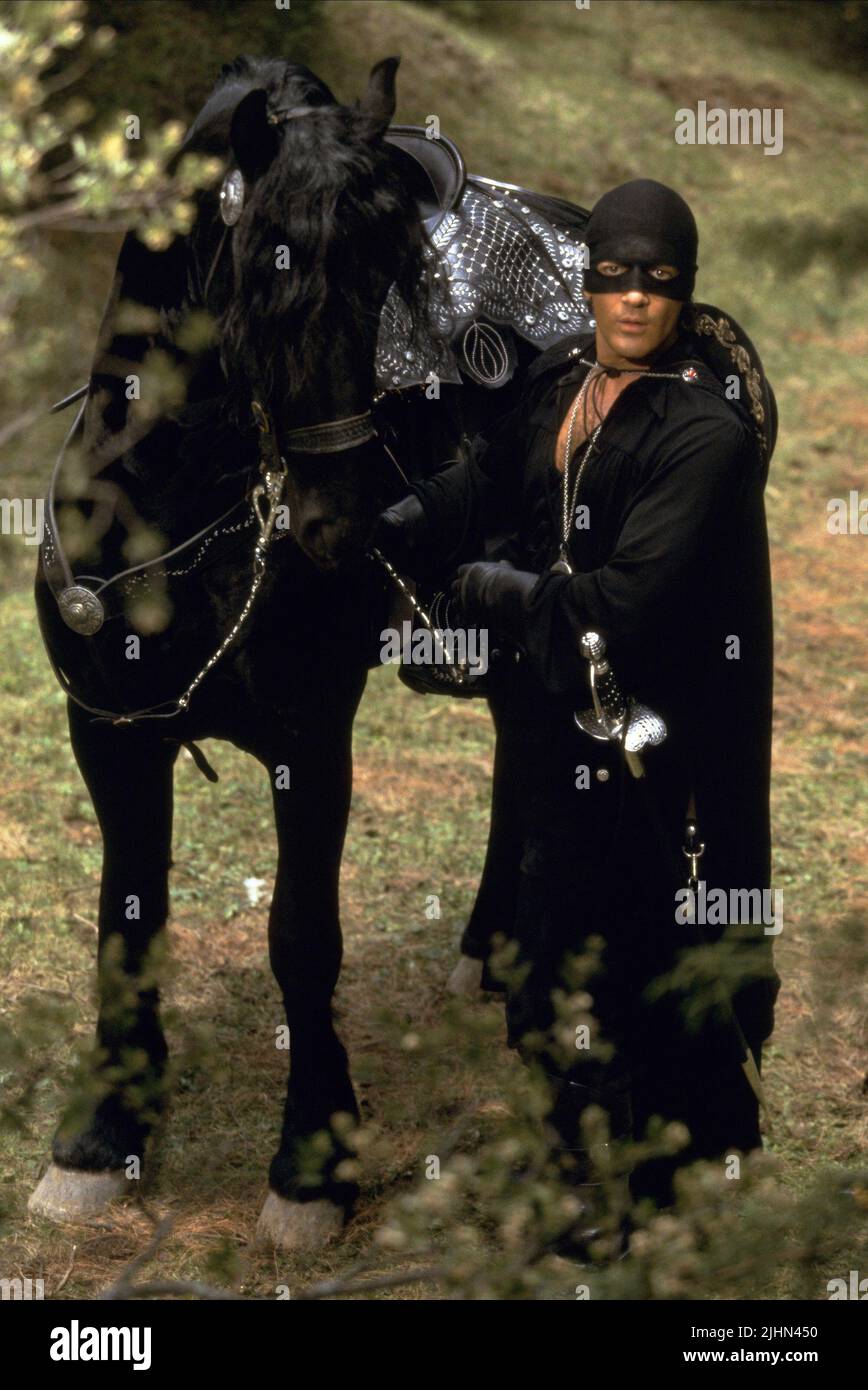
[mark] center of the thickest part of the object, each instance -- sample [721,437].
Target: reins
[81,606]
[211,528]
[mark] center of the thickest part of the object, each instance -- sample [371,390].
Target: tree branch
[23,422]
[158,1288]
[329,1287]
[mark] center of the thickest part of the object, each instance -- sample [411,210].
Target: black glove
[494,594]
[400,533]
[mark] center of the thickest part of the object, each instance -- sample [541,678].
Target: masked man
[624,495]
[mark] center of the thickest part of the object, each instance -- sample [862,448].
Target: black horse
[221,586]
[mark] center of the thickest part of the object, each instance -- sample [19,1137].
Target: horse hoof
[298,1225]
[70,1194]
[466,978]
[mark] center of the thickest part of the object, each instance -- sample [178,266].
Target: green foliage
[491,1205]
[55,175]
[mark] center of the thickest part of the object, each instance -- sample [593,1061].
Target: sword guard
[589,723]
[645,729]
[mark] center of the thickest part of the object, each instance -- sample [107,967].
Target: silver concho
[232,197]
[81,610]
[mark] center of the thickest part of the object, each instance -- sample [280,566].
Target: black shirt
[672,570]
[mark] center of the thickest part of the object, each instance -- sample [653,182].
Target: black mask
[642,224]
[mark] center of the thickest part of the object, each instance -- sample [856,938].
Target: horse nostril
[316,528]
[327,538]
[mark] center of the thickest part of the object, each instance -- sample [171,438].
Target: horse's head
[326,226]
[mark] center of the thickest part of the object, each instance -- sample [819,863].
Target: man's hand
[400,533]
[494,594]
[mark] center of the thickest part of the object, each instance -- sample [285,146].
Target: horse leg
[494,908]
[309,1201]
[129,776]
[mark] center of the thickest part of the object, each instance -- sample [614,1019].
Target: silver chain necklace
[562,564]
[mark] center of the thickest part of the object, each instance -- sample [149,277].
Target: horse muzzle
[331,541]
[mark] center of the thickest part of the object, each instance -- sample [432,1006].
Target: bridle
[82,608]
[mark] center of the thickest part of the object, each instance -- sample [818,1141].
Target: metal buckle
[692,852]
[265,500]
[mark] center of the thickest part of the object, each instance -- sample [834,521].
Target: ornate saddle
[510,263]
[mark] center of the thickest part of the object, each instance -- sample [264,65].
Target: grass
[569,102]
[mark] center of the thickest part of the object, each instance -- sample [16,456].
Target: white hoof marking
[466,978]
[70,1194]
[298,1225]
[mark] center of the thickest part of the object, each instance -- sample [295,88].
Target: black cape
[673,570]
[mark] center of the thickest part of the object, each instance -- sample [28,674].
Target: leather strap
[333,436]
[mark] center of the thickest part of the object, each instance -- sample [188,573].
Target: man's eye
[663,272]
[611,268]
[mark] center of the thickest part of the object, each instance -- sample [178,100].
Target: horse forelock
[334,197]
[283,81]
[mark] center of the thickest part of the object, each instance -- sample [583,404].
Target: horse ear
[379,99]
[253,140]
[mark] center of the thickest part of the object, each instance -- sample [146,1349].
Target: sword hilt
[593,646]
[612,710]
[608,698]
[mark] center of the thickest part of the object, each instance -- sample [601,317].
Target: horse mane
[335,196]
